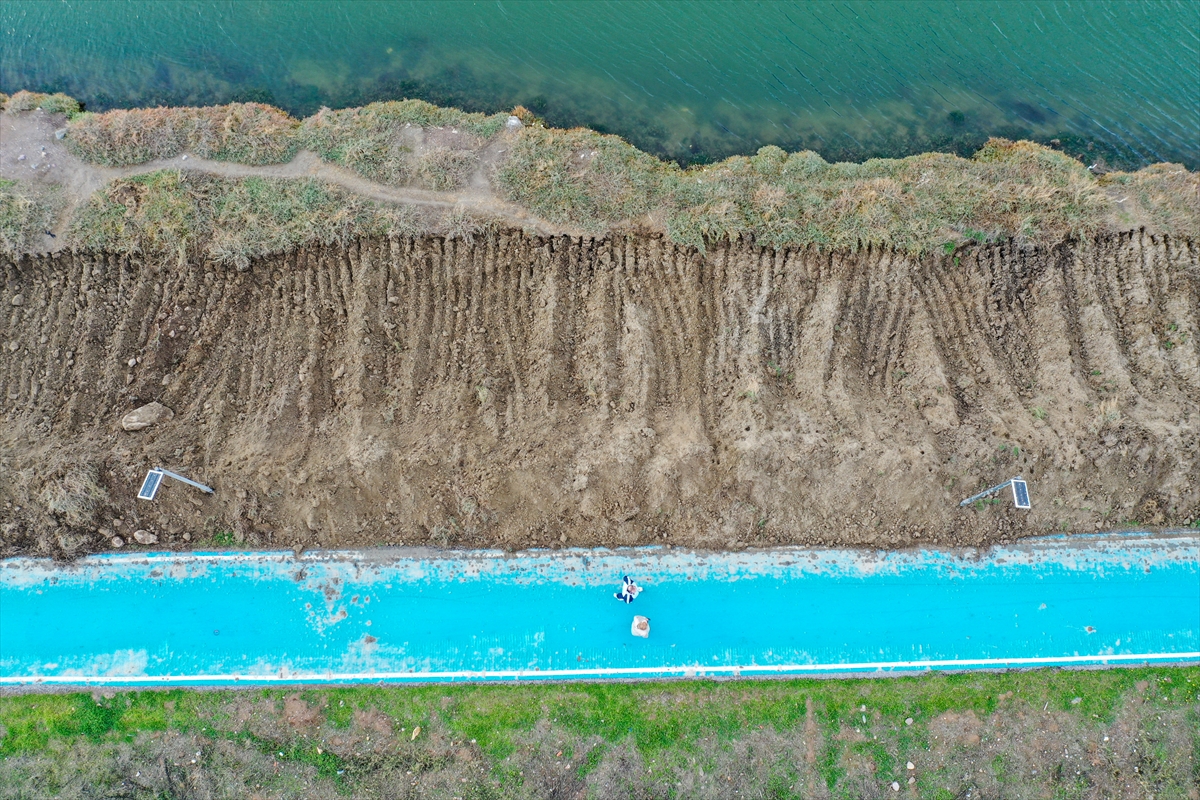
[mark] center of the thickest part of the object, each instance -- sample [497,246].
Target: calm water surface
[687,80]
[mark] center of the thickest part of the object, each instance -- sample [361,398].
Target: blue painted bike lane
[402,616]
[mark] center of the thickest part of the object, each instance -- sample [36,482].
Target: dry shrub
[57,103]
[526,116]
[442,168]
[248,133]
[73,492]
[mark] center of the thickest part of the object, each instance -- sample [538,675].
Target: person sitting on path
[640,627]
[629,590]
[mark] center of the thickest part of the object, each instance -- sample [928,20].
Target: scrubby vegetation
[583,178]
[592,182]
[389,142]
[916,204]
[1169,194]
[56,103]
[1027,734]
[230,220]
[26,212]
[247,133]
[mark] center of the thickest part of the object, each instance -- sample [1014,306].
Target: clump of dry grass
[383,142]
[57,103]
[1108,415]
[583,178]
[230,220]
[445,168]
[248,133]
[73,493]
[25,212]
[1168,193]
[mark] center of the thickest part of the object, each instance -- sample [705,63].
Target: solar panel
[150,485]
[1020,493]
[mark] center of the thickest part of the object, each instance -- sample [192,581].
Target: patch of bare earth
[519,391]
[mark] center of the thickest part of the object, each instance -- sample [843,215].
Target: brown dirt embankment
[521,391]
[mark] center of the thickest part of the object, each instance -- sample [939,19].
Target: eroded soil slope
[519,391]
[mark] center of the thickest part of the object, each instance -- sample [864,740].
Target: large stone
[145,537]
[147,415]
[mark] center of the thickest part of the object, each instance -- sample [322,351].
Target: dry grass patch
[405,142]
[247,133]
[57,103]
[582,178]
[1168,193]
[229,220]
[26,211]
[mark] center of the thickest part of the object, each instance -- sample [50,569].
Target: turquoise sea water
[688,80]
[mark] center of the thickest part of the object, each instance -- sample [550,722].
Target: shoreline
[555,340]
[409,167]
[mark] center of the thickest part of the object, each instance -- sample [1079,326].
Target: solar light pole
[154,478]
[1020,491]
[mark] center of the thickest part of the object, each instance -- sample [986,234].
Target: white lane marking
[689,671]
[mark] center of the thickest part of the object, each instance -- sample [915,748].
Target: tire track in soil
[513,389]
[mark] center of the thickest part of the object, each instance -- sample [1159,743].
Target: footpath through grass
[1046,733]
[596,183]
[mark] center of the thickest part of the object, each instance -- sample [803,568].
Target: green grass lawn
[1048,733]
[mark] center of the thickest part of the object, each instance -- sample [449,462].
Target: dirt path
[30,151]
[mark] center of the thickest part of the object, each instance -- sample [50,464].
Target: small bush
[56,103]
[74,493]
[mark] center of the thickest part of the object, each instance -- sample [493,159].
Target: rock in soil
[621,390]
[147,415]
